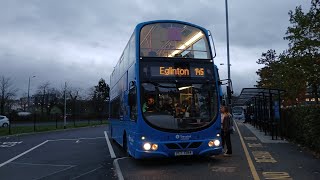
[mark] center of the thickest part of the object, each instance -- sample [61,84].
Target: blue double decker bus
[164,94]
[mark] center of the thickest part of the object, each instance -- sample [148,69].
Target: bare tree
[23,101]
[42,91]
[52,99]
[7,91]
[74,95]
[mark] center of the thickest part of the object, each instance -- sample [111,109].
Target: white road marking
[75,139]
[9,144]
[250,138]
[254,145]
[16,157]
[55,172]
[223,169]
[276,175]
[263,156]
[112,154]
[118,170]
[87,172]
[32,164]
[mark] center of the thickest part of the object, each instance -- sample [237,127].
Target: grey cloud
[80,41]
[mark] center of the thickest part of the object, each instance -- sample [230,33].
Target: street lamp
[65,106]
[228,54]
[29,91]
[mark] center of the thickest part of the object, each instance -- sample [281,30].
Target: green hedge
[302,125]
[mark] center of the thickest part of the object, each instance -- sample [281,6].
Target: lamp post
[65,106]
[29,91]
[228,54]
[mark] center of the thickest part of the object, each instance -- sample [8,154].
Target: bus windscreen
[178,106]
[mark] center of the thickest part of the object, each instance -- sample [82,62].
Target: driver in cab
[149,106]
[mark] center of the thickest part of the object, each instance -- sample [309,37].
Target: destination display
[171,71]
[179,71]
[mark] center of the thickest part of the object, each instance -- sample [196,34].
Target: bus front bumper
[140,154]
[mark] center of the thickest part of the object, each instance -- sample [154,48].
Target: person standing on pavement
[226,129]
[222,134]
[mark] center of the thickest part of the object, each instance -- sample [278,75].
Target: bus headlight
[154,147]
[210,143]
[216,142]
[147,146]
[213,143]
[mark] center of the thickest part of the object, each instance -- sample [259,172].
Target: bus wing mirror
[132,83]
[132,94]
[229,93]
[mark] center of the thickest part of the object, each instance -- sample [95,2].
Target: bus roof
[140,25]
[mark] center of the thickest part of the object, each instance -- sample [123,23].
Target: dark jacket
[226,125]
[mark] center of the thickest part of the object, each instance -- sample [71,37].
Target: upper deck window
[173,40]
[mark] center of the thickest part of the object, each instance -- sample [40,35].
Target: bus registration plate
[183,153]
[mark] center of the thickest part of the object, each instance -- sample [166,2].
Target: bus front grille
[172,146]
[183,145]
[195,144]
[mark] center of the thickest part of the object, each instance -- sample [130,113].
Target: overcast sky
[79,42]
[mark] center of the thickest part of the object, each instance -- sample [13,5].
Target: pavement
[281,156]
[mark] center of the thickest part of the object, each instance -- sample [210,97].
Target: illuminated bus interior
[173,40]
[175,106]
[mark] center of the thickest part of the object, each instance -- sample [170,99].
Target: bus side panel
[124,124]
[115,130]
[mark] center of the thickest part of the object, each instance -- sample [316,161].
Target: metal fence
[38,122]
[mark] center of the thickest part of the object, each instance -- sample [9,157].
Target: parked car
[4,121]
[24,113]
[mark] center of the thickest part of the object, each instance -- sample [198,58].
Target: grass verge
[42,128]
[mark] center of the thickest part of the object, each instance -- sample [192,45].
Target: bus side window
[133,103]
[115,108]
